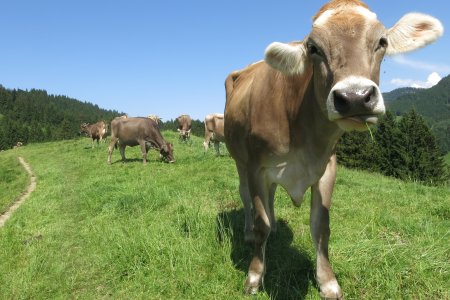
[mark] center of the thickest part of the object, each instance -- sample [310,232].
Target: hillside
[394,94]
[433,104]
[175,231]
[35,116]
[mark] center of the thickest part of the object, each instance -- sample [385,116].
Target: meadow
[175,231]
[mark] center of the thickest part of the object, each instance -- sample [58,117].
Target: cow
[138,131]
[18,145]
[184,127]
[214,131]
[285,114]
[95,131]
[155,118]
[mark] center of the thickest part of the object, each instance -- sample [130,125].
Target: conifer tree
[391,150]
[425,162]
[357,150]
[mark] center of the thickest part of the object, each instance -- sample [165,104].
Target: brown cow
[184,127]
[284,116]
[95,131]
[138,131]
[214,131]
[155,118]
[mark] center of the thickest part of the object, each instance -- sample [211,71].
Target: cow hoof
[251,288]
[331,291]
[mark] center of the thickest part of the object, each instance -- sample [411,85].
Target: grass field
[174,231]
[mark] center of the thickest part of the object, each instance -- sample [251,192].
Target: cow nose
[354,102]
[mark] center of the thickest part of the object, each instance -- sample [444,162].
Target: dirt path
[4,217]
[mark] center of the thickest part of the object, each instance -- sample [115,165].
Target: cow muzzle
[355,102]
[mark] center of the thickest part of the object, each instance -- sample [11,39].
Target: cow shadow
[135,160]
[290,270]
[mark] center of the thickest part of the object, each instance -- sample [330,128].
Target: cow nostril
[341,102]
[368,94]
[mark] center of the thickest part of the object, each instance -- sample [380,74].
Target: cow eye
[313,49]
[383,43]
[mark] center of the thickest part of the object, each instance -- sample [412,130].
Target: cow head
[345,49]
[167,153]
[84,129]
[184,134]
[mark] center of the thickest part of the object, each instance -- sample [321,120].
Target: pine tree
[391,152]
[356,150]
[425,162]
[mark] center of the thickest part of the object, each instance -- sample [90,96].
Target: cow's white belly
[296,173]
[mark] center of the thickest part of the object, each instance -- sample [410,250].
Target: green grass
[13,179]
[174,231]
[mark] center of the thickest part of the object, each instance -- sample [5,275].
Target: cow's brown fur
[214,131]
[95,131]
[138,131]
[184,127]
[282,121]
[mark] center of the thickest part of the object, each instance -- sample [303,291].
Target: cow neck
[158,141]
[312,127]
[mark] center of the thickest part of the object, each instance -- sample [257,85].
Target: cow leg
[247,202]
[273,222]
[122,152]
[320,231]
[217,148]
[261,231]
[144,152]
[206,142]
[111,146]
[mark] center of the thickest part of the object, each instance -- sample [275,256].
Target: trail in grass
[4,217]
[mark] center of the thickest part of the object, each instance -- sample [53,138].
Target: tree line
[404,149]
[34,116]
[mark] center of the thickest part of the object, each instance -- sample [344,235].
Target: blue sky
[172,57]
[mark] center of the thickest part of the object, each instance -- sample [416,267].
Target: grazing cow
[138,131]
[184,127]
[155,118]
[284,116]
[95,131]
[18,145]
[214,131]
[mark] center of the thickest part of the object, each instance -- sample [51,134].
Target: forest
[34,116]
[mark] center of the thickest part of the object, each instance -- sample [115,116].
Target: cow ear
[412,32]
[286,58]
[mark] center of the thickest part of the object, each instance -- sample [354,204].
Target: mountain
[397,93]
[433,104]
[35,116]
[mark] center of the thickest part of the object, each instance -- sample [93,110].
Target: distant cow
[95,131]
[184,127]
[214,131]
[155,118]
[138,131]
[284,116]
[18,145]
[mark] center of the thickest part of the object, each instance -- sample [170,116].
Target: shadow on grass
[289,272]
[137,160]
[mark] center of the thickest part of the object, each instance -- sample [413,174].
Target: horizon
[167,59]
